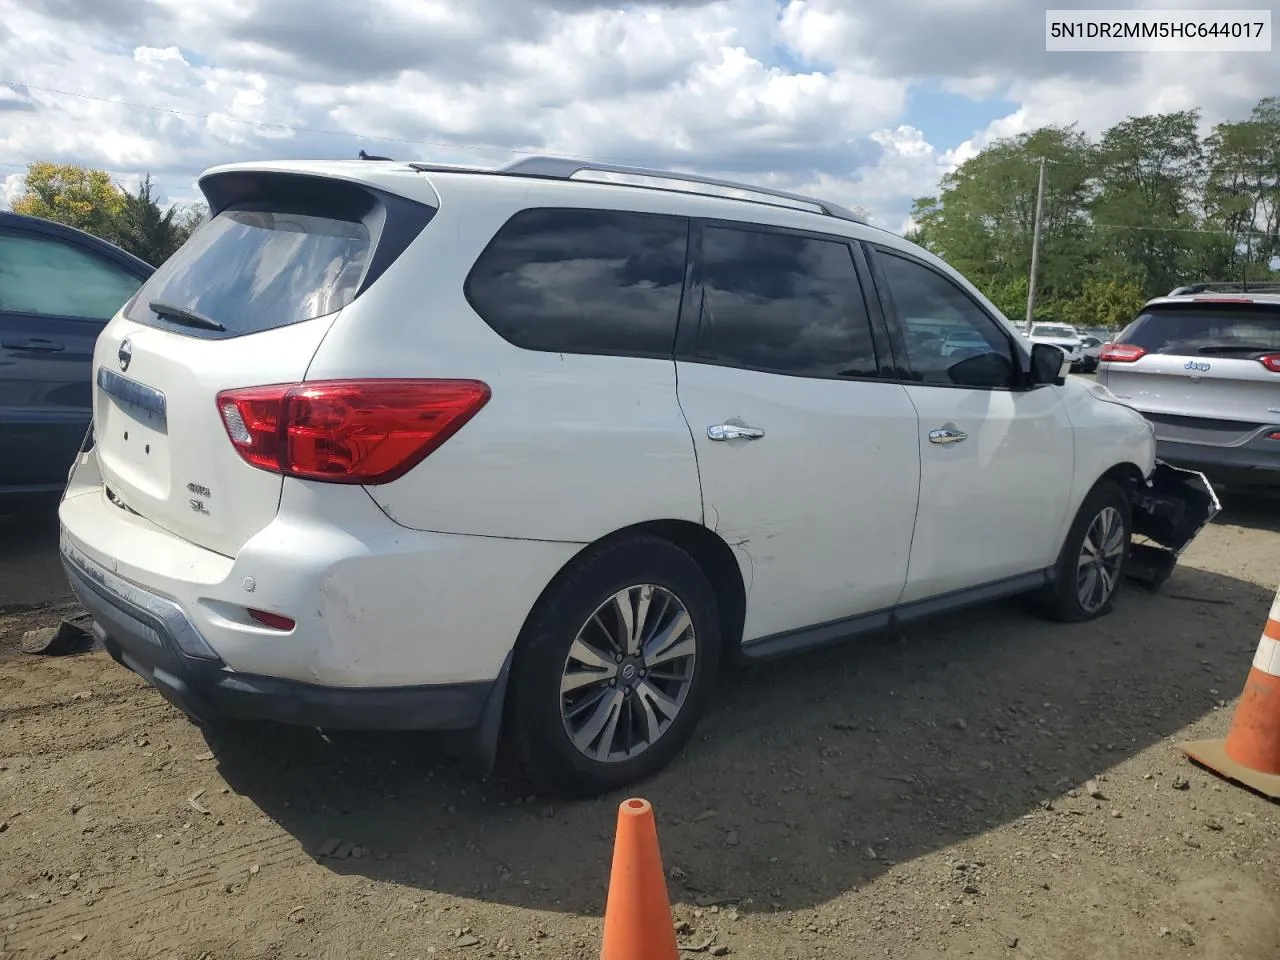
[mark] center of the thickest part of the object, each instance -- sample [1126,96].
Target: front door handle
[34,346]
[947,435]
[733,431]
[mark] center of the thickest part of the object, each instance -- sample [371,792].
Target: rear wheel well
[708,550]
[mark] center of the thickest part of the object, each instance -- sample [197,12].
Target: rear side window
[583,281]
[1223,330]
[41,275]
[783,303]
[252,268]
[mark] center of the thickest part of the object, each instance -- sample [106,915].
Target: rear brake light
[1121,353]
[274,620]
[347,431]
[1271,361]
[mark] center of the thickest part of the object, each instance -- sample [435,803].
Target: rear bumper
[1254,464]
[151,636]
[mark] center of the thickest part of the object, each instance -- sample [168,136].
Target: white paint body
[844,507]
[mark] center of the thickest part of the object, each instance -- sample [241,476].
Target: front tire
[614,668]
[1091,564]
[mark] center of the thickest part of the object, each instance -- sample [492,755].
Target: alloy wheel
[1101,557]
[628,673]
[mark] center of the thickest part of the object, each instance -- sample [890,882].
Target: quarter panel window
[783,303]
[584,281]
[949,340]
[44,275]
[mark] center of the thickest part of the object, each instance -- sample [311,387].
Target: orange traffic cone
[1251,753]
[637,918]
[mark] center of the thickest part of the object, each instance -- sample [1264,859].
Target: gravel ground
[914,796]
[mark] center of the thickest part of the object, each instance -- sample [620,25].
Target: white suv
[1062,336]
[393,445]
[1204,368]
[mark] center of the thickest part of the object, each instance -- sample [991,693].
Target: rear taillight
[1121,353]
[347,431]
[1271,361]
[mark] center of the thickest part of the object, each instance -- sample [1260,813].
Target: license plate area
[132,432]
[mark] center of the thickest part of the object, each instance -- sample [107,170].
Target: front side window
[784,304]
[949,340]
[584,281]
[51,277]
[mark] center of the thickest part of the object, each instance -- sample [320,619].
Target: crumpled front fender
[1169,511]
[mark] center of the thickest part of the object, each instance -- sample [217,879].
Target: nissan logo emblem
[125,353]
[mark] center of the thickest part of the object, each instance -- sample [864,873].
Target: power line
[446,144]
[1225,233]
[1095,166]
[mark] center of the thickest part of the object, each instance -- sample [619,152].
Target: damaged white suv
[399,446]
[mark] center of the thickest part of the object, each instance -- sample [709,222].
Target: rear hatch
[1204,371]
[245,302]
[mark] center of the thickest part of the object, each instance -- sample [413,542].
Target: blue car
[58,288]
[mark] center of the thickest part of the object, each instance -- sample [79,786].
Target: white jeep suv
[1203,365]
[399,446]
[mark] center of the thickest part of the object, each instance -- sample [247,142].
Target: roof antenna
[366,156]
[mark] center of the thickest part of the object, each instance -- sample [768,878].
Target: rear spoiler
[1169,512]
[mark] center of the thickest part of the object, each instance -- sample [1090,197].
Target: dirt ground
[911,797]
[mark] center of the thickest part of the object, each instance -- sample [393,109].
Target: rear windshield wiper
[182,315]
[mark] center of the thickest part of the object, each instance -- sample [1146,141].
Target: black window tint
[1222,330]
[942,326]
[783,303]
[584,281]
[253,269]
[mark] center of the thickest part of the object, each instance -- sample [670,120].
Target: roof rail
[556,168]
[1227,286]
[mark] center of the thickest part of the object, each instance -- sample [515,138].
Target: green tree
[1149,174]
[77,196]
[88,200]
[983,219]
[1242,189]
[1104,302]
[144,229]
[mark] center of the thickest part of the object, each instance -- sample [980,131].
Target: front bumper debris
[1169,511]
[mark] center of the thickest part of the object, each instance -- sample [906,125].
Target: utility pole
[1035,247]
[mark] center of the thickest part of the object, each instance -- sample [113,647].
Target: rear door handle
[34,346]
[733,431]
[947,435]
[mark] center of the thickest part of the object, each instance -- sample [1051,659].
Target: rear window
[1194,331]
[251,269]
[1049,331]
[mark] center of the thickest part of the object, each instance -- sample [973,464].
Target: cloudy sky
[866,102]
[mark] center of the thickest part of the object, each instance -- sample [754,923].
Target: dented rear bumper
[1169,511]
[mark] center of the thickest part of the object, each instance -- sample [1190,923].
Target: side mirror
[1048,365]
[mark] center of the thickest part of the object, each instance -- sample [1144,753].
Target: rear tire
[614,668]
[1090,568]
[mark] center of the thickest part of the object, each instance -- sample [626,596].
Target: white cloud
[806,94]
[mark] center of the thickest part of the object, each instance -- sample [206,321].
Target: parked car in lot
[58,288]
[1062,336]
[1091,350]
[1204,369]
[394,445]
